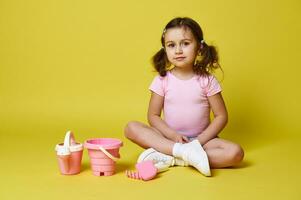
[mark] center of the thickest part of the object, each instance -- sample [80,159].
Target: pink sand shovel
[146,171]
[103,153]
[69,155]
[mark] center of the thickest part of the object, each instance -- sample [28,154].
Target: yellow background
[85,66]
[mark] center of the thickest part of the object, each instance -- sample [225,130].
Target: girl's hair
[209,55]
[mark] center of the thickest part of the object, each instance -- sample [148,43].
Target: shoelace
[158,160]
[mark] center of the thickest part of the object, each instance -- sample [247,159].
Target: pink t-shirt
[186,106]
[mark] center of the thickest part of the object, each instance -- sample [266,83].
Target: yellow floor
[271,170]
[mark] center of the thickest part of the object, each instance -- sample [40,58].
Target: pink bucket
[103,153]
[69,155]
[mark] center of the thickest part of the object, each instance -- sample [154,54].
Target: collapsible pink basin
[103,153]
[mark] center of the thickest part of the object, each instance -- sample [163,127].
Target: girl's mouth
[179,58]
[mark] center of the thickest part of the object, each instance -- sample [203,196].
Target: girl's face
[180,47]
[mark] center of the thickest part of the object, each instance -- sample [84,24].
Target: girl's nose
[179,49]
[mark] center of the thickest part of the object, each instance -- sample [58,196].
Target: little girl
[186,92]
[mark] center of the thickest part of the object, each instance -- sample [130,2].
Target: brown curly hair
[209,61]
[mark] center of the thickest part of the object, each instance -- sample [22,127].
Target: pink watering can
[103,153]
[69,155]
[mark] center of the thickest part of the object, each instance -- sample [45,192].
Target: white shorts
[192,138]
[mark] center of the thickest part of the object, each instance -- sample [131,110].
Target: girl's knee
[131,128]
[236,154]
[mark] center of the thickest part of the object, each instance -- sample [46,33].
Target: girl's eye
[171,45]
[186,43]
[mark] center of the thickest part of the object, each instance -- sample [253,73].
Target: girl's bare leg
[146,137]
[223,153]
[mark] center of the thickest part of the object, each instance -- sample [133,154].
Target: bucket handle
[108,154]
[69,139]
[65,149]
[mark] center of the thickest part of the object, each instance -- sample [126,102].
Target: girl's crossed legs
[221,153]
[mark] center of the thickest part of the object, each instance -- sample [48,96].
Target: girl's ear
[201,47]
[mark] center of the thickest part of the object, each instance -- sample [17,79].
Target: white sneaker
[194,154]
[161,161]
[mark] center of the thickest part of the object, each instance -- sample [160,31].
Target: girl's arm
[220,119]
[154,119]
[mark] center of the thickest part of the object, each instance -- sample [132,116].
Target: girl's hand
[180,138]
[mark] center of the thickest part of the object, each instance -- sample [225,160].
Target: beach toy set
[103,154]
